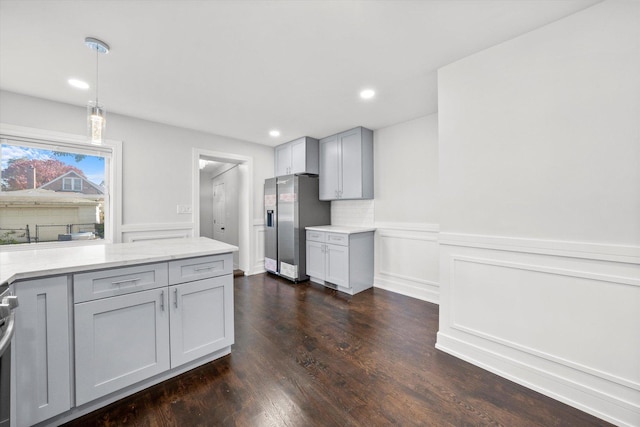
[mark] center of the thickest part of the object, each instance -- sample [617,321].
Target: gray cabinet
[316,259]
[297,156]
[201,320]
[120,341]
[42,350]
[346,165]
[341,261]
[133,323]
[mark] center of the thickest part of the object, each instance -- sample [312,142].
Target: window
[72,184]
[56,189]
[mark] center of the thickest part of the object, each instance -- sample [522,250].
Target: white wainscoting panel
[140,232]
[566,325]
[258,245]
[407,260]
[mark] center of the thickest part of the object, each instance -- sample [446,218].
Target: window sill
[51,245]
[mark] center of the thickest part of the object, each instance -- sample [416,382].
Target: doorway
[219,203]
[223,203]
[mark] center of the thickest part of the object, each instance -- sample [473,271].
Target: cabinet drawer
[118,281]
[187,270]
[338,239]
[316,236]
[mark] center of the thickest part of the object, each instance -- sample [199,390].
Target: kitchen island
[99,322]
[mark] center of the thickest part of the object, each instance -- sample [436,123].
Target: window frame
[60,141]
[72,186]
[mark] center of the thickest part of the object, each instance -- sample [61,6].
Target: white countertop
[32,263]
[340,229]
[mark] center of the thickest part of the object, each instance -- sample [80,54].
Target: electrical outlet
[184,209]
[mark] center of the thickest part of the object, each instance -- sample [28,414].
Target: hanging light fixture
[95,111]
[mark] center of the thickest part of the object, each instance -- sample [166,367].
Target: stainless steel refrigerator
[291,203]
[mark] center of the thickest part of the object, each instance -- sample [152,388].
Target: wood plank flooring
[310,356]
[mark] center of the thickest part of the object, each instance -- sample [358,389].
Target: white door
[219,210]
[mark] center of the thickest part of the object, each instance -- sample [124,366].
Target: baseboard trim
[428,291]
[563,389]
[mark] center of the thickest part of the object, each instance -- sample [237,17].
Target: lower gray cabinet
[124,339]
[120,341]
[337,265]
[201,318]
[42,350]
[343,261]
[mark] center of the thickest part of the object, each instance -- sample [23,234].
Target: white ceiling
[241,68]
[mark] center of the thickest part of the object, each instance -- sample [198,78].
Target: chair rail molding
[157,231]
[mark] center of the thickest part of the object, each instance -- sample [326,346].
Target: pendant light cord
[97,55]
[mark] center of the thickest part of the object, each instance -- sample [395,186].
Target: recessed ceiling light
[79,84]
[367,94]
[274,133]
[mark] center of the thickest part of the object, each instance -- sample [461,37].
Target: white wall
[406,172]
[406,208]
[540,210]
[157,161]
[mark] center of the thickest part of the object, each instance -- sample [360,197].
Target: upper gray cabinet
[346,165]
[297,156]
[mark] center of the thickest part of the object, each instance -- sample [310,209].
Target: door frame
[245,200]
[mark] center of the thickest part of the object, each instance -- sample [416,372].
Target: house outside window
[58,189]
[72,184]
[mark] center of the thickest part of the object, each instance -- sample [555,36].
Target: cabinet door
[201,318]
[337,268]
[283,159]
[351,145]
[42,356]
[330,165]
[298,156]
[119,341]
[315,259]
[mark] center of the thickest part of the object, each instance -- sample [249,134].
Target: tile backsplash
[355,213]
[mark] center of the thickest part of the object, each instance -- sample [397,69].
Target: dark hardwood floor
[309,356]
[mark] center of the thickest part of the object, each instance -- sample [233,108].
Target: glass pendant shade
[96,121]
[95,112]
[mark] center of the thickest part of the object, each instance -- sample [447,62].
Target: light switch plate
[184,209]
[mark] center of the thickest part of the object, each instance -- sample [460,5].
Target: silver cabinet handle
[175,294]
[119,282]
[162,300]
[203,268]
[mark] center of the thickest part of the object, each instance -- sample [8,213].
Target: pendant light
[95,111]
